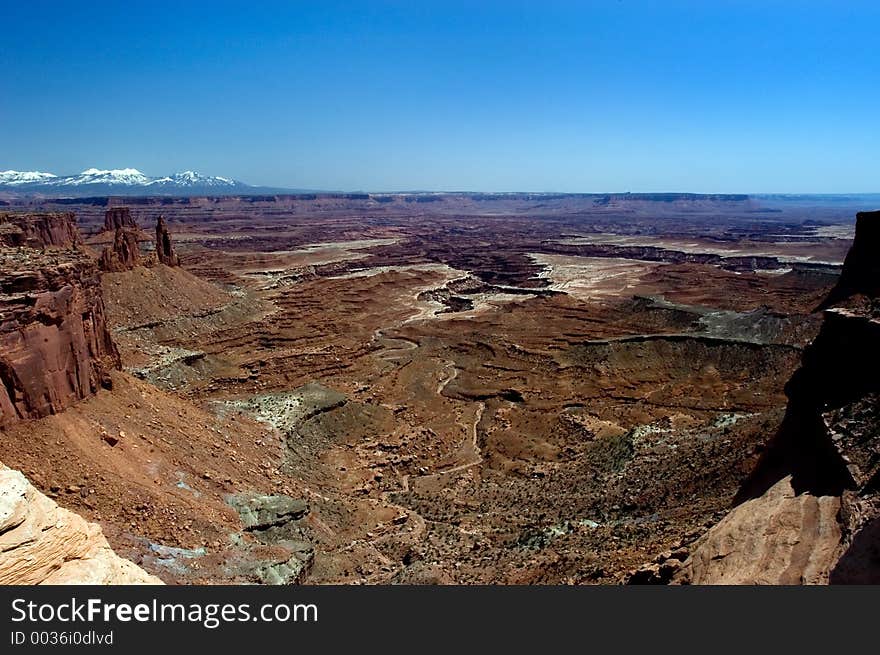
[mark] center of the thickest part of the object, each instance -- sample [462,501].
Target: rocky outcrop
[778,538]
[260,512]
[861,268]
[39,230]
[275,521]
[164,248]
[118,217]
[42,543]
[124,254]
[809,512]
[55,346]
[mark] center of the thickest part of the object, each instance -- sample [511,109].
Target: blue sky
[623,95]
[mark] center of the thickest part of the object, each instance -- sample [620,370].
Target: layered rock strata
[44,230]
[118,217]
[42,543]
[55,346]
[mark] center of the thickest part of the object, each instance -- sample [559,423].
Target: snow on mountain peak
[111,176]
[113,171]
[194,178]
[187,175]
[24,177]
[117,180]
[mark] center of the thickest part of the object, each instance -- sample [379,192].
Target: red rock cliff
[55,347]
[117,217]
[39,230]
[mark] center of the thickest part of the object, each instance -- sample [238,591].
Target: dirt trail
[390,352]
[444,383]
[471,448]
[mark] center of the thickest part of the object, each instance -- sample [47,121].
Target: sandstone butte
[124,253]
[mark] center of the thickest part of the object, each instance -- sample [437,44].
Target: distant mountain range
[123,181]
[131,182]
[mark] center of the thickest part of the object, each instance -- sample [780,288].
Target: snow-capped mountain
[125,176]
[23,177]
[120,181]
[191,178]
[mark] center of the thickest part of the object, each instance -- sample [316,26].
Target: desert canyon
[439,389]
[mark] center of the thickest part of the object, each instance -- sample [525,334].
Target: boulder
[260,512]
[778,538]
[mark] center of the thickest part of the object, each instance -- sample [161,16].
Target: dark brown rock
[861,268]
[125,253]
[118,217]
[655,573]
[164,248]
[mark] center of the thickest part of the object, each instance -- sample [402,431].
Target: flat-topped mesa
[118,217]
[861,268]
[125,252]
[39,230]
[164,248]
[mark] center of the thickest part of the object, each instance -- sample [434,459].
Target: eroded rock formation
[42,543]
[275,522]
[55,347]
[778,538]
[809,513]
[39,230]
[117,217]
[164,248]
[124,254]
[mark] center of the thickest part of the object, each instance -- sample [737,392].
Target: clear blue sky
[703,96]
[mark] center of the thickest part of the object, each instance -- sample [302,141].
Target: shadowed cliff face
[838,369]
[55,347]
[861,269]
[826,454]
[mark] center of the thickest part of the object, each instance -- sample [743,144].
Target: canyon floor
[462,390]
